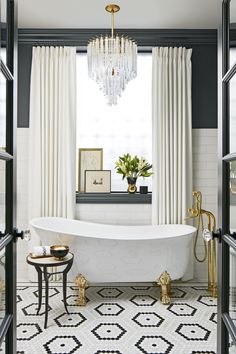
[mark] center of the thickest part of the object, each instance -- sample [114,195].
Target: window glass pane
[3,12]
[2,194]
[232,122]
[232,188]
[120,129]
[232,296]
[232,348]
[2,285]
[233,12]
[2,112]
[3,348]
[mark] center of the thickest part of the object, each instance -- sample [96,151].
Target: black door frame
[225,325]
[9,71]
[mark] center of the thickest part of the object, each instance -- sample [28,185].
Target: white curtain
[172,135]
[52,146]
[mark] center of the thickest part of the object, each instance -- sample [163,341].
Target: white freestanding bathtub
[117,253]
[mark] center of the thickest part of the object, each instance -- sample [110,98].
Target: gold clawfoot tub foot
[164,282]
[82,284]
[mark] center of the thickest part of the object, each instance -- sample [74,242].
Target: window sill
[113,198]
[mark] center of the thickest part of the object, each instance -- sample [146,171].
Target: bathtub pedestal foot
[164,282]
[82,284]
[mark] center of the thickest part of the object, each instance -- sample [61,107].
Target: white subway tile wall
[205,180]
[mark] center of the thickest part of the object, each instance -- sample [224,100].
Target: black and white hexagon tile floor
[119,320]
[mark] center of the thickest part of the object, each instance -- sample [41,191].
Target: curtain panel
[172,134]
[52,145]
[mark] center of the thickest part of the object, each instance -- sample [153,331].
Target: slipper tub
[117,253]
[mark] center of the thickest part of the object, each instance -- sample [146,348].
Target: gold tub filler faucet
[209,241]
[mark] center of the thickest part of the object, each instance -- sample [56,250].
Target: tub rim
[114,232]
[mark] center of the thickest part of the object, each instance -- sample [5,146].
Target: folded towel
[41,251]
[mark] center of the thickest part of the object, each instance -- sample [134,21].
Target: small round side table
[41,265]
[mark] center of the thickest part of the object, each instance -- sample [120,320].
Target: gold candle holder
[59,251]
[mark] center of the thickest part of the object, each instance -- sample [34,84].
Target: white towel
[41,251]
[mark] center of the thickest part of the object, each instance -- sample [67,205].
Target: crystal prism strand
[134,60]
[100,57]
[96,62]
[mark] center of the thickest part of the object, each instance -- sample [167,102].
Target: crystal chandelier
[112,61]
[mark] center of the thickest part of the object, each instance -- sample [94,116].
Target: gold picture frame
[97,181]
[89,159]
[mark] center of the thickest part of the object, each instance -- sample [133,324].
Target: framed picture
[97,181]
[89,159]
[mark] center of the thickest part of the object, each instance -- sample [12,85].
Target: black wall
[204,63]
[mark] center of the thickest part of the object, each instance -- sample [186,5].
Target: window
[120,129]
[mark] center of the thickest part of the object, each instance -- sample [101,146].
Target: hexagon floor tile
[108,331]
[193,332]
[182,309]
[148,319]
[109,309]
[207,300]
[74,319]
[62,345]
[118,320]
[143,300]
[108,293]
[154,344]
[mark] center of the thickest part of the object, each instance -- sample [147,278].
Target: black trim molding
[144,37]
[204,62]
[113,198]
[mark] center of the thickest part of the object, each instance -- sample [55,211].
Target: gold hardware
[132,188]
[210,250]
[164,281]
[82,284]
[112,8]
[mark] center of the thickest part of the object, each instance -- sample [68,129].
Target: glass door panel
[232,286]
[232,32]
[232,117]
[2,112]
[232,349]
[7,184]
[2,195]
[226,323]
[3,39]
[232,191]
[2,286]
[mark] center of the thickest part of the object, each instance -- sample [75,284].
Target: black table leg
[46,296]
[64,291]
[42,270]
[39,288]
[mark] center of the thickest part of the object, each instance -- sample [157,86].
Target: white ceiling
[133,14]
